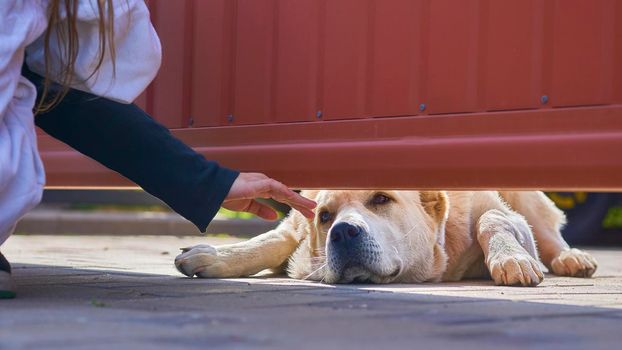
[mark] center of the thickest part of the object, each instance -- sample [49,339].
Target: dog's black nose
[344,232]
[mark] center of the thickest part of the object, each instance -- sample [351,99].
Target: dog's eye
[325,216]
[380,199]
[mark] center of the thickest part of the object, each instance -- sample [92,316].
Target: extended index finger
[283,194]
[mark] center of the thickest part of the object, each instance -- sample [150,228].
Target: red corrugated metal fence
[425,81]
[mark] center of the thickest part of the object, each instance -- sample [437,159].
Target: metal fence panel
[479,93]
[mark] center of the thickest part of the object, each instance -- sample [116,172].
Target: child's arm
[127,140]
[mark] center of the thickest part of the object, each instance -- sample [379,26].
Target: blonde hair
[66,31]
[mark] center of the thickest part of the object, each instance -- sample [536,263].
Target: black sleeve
[127,140]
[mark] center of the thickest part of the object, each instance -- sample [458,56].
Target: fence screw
[422,107]
[318,114]
[230,118]
[544,99]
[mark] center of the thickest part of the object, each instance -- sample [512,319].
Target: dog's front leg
[547,221]
[509,249]
[269,250]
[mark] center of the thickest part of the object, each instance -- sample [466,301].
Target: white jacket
[22,24]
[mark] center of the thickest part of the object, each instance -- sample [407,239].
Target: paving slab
[122,292]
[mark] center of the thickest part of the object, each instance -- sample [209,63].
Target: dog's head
[376,236]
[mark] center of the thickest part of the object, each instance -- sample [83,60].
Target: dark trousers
[127,140]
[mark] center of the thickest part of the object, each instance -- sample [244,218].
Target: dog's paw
[515,270]
[574,263]
[201,260]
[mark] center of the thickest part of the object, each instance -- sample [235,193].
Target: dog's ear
[435,204]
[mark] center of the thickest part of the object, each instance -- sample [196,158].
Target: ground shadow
[67,307]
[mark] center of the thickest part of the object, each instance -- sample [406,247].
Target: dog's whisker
[410,243]
[398,240]
[399,258]
[411,229]
[323,279]
[311,274]
[313,258]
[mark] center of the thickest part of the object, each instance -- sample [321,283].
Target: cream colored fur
[417,236]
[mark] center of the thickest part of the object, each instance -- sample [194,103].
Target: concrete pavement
[103,292]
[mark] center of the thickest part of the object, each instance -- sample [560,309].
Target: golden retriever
[405,237]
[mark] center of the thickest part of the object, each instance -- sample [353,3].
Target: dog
[405,237]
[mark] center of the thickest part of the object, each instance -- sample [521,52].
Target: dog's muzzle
[352,252]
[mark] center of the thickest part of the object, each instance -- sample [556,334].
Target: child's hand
[249,186]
